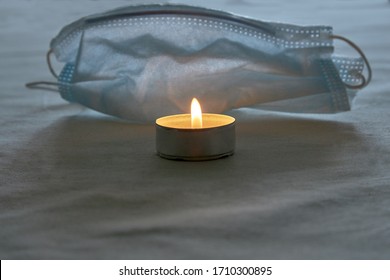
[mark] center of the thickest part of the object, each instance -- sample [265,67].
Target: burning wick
[196,114]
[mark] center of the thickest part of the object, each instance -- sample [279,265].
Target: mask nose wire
[45,85]
[364,81]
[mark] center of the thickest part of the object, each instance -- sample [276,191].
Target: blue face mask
[143,62]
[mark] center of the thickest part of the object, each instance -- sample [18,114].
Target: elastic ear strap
[49,86]
[49,64]
[365,81]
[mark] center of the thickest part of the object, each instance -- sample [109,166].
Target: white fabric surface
[75,184]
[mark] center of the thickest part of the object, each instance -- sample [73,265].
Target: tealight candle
[195,136]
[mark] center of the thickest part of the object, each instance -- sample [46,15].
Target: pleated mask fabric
[143,62]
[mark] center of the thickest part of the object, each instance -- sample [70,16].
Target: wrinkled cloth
[75,184]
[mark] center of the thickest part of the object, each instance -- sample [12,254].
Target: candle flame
[196,114]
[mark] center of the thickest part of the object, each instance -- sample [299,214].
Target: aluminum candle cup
[177,139]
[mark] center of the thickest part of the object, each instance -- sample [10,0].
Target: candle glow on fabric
[196,114]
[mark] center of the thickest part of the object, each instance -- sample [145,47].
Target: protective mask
[143,62]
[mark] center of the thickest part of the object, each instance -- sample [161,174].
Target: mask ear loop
[44,85]
[364,81]
[49,63]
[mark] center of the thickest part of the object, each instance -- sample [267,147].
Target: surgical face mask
[143,62]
